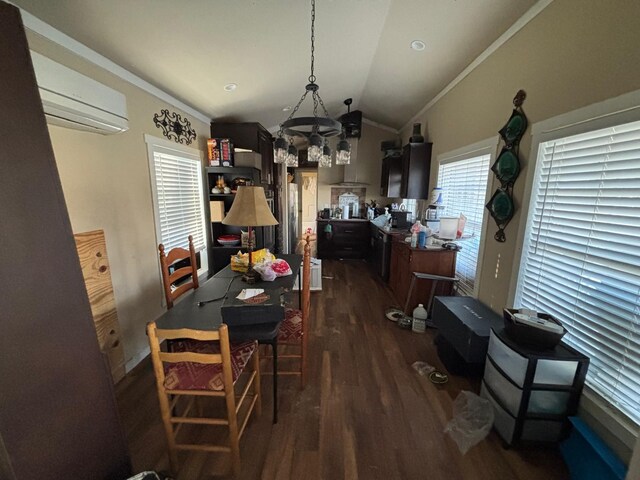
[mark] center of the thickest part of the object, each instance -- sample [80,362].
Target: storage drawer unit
[349,239]
[532,392]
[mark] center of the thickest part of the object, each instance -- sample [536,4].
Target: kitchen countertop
[342,220]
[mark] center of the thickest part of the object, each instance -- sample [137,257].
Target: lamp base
[251,276]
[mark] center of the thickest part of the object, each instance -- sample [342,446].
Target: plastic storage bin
[532,391]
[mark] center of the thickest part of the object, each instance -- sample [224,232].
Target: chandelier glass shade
[314,128]
[292,156]
[343,151]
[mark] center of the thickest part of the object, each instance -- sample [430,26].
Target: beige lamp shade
[250,209]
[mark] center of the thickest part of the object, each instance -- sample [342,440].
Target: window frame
[192,154]
[608,113]
[489,147]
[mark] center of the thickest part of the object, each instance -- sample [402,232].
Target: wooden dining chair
[293,333]
[171,275]
[204,364]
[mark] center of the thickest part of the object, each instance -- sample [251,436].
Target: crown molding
[54,35]
[380,126]
[502,39]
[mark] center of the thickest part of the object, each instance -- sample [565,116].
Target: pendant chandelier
[315,129]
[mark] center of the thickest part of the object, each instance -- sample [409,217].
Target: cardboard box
[220,152]
[216,209]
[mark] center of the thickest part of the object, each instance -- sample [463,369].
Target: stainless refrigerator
[293,207]
[288,231]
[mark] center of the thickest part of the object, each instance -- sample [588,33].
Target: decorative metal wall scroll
[507,167]
[174,127]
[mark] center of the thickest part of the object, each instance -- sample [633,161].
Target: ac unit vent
[73,100]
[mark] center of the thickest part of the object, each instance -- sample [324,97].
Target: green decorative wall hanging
[507,167]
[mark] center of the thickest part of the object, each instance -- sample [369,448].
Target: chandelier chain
[312,77]
[324,126]
[295,109]
[323,107]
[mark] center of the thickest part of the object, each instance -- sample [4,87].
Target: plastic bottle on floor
[419,324]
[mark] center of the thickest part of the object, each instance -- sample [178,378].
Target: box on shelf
[216,209]
[220,152]
[247,159]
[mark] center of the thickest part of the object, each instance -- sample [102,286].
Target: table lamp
[250,209]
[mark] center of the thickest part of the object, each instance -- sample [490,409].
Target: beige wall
[574,53]
[369,158]
[106,185]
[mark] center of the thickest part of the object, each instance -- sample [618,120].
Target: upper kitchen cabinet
[391,174]
[416,164]
[251,136]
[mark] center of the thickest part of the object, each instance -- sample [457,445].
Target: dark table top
[187,314]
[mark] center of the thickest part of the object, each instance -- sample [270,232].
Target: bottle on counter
[422,237]
[387,225]
[415,230]
[419,324]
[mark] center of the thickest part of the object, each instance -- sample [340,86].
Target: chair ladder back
[306,306]
[167,260]
[168,407]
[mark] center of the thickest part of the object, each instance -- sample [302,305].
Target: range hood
[353,171]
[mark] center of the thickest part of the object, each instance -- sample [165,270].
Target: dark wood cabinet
[348,239]
[391,176]
[264,236]
[416,165]
[251,136]
[406,260]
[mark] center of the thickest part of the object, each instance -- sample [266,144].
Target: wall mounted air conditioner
[76,101]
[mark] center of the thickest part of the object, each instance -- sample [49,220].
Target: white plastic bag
[266,272]
[471,422]
[281,268]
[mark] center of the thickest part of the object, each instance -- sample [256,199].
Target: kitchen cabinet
[251,136]
[416,166]
[391,176]
[533,392]
[349,239]
[264,236]
[406,260]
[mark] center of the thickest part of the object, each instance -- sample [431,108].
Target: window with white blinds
[176,178]
[464,188]
[581,253]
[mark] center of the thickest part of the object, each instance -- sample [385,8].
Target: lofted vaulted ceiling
[192,48]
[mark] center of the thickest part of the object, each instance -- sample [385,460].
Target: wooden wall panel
[94,261]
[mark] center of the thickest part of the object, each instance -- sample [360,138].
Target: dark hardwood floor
[365,414]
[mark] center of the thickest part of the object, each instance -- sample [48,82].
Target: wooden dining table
[201,309]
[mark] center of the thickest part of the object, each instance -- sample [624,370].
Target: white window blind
[581,254]
[464,188]
[178,192]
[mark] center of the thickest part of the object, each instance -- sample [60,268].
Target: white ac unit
[73,100]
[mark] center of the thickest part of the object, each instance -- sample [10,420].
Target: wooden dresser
[406,260]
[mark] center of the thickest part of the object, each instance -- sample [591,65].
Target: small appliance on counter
[400,219]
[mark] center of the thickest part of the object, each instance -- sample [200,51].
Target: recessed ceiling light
[418,45]
[287,108]
[230,87]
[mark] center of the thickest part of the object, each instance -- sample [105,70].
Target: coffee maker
[400,219]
